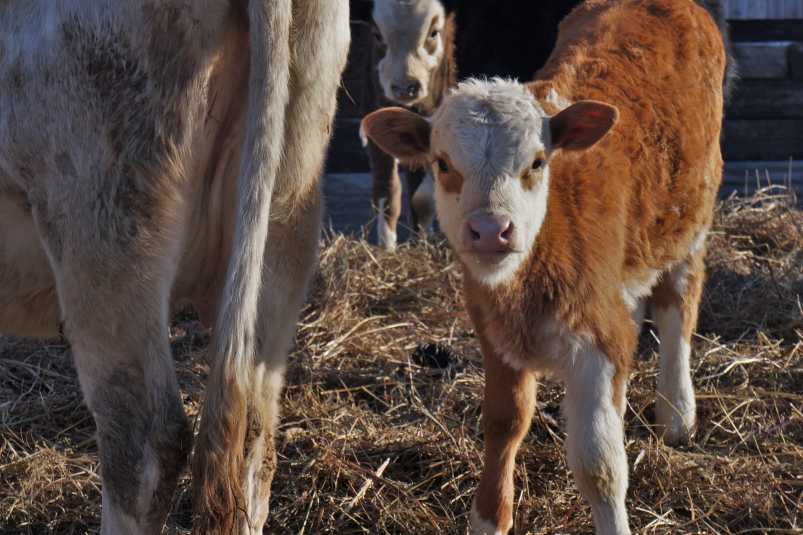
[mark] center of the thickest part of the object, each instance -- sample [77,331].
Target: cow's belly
[212,192]
[29,304]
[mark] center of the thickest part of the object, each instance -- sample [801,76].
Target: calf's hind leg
[675,305]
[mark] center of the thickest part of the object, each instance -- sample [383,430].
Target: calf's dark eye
[442,166]
[538,164]
[434,35]
[378,38]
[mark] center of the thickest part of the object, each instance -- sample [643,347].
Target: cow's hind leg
[293,235]
[29,305]
[674,305]
[114,291]
[319,46]
[594,407]
[290,256]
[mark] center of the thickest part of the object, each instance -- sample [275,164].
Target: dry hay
[356,406]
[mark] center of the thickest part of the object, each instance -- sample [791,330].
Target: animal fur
[588,225]
[153,152]
[376,94]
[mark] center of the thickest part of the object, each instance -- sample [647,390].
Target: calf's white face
[488,146]
[408,32]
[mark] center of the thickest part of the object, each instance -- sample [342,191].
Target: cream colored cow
[152,152]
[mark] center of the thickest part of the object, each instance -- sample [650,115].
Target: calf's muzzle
[488,234]
[406,91]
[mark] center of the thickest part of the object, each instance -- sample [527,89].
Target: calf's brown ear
[581,125]
[401,133]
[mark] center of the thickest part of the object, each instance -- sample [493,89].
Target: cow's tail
[218,460]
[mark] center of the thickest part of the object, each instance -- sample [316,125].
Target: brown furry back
[635,201]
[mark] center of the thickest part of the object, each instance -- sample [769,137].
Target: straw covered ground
[372,442]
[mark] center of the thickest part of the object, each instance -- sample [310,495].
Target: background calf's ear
[401,133]
[581,125]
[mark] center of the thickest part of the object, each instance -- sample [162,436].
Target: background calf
[409,60]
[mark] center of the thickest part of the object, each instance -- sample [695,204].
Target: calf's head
[489,145]
[408,35]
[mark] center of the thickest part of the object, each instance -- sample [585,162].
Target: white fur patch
[553,98]
[634,289]
[513,360]
[675,404]
[698,243]
[679,277]
[679,274]
[492,131]
[595,443]
[480,526]
[559,348]
[387,236]
[363,137]
[423,202]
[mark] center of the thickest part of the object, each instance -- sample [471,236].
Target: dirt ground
[357,402]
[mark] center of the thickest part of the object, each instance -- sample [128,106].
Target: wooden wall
[763,9]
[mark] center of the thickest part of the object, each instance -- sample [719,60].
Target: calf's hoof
[673,426]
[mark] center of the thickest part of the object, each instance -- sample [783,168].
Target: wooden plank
[796,61]
[766,30]
[736,9]
[756,9]
[763,9]
[793,10]
[763,60]
[766,100]
[776,9]
[757,139]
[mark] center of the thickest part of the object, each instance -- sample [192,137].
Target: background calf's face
[408,34]
[488,146]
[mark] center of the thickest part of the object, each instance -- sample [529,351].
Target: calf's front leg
[506,414]
[386,194]
[594,407]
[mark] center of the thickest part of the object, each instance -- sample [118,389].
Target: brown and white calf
[409,60]
[568,202]
[155,151]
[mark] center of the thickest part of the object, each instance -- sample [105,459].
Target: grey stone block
[763,61]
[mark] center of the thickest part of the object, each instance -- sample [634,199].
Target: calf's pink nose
[489,233]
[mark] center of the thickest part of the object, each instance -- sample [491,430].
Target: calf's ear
[581,125]
[401,133]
